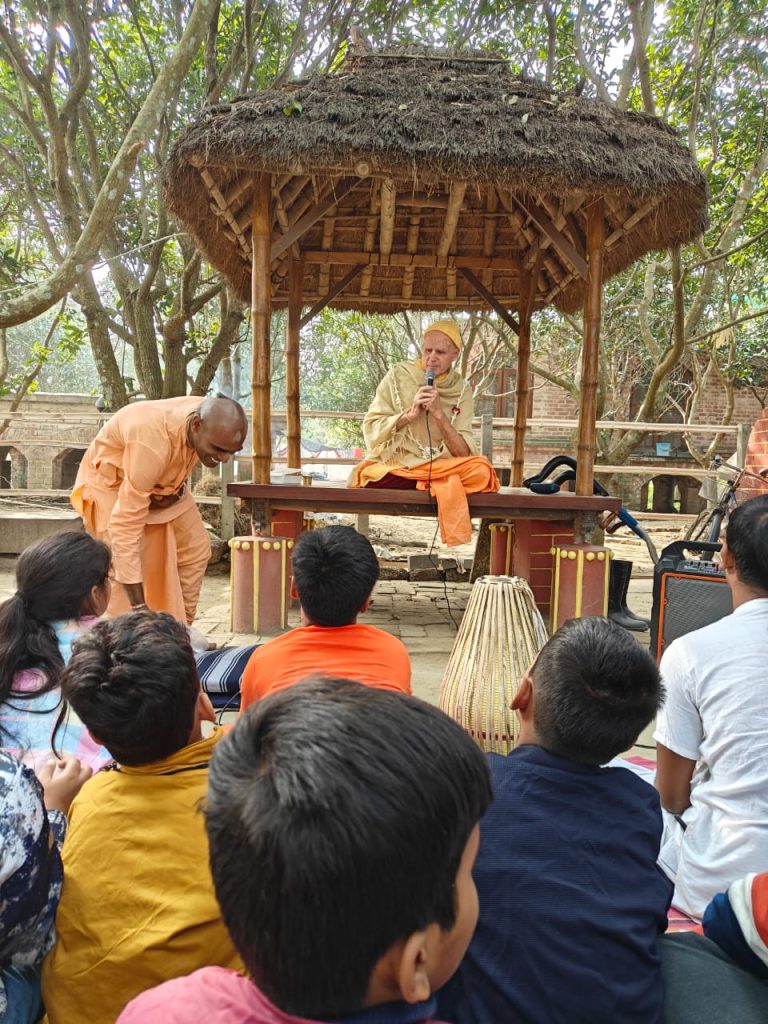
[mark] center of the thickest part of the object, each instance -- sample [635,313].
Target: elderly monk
[420,435]
[132,492]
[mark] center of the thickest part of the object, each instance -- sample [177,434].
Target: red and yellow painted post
[579,582]
[260,583]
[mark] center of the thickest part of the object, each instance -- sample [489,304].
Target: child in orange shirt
[334,572]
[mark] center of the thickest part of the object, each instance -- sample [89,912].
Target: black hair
[747,539]
[54,579]
[133,683]
[334,569]
[337,818]
[595,689]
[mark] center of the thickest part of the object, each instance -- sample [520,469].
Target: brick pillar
[532,542]
[260,583]
[757,458]
[580,583]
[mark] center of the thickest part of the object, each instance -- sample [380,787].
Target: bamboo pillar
[260,317]
[591,348]
[292,397]
[522,387]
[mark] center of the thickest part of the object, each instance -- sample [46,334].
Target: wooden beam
[490,226]
[632,221]
[369,241]
[388,208]
[447,243]
[312,216]
[396,303]
[411,245]
[235,191]
[563,245]
[591,349]
[490,298]
[332,293]
[458,188]
[224,210]
[329,225]
[292,342]
[576,234]
[404,259]
[260,317]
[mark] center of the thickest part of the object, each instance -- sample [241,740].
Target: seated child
[62,587]
[721,975]
[137,905]
[32,826]
[334,572]
[343,827]
[572,900]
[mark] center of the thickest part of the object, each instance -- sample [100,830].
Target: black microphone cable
[430,381]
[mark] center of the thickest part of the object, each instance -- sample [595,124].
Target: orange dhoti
[174,552]
[449,480]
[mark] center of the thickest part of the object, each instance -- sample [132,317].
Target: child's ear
[413,970]
[294,591]
[522,697]
[726,558]
[204,710]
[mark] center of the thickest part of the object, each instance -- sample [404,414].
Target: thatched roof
[428,165]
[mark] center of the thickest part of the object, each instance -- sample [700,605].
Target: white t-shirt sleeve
[678,726]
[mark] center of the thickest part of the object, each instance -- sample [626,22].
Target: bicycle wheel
[701,527]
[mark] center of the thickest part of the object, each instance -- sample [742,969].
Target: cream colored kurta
[420,441]
[140,452]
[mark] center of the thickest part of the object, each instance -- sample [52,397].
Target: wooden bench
[507,503]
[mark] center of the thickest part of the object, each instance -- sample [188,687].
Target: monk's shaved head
[224,412]
[217,429]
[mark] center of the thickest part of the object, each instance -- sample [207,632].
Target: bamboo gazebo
[432,181]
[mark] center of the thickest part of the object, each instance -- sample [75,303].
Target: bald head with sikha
[217,430]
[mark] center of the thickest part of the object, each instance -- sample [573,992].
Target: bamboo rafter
[388,208]
[411,245]
[224,210]
[369,241]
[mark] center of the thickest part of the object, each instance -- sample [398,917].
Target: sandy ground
[424,615]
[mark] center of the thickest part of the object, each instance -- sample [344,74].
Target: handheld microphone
[429,378]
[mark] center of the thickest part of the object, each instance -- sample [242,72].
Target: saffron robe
[418,452]
[140,452]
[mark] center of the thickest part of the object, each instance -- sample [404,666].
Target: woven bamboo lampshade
[499,637]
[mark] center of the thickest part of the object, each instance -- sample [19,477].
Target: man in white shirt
[712,733]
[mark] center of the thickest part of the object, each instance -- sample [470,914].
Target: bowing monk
[418,432]
[132,492]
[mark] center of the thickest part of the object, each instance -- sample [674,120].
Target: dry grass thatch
[447,135]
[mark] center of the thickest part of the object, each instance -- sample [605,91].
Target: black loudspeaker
[688,593]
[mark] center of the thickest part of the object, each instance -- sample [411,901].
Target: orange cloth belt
[449,480]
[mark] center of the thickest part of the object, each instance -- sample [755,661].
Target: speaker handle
[678,547]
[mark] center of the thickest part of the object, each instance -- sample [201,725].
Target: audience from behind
[33,820]
[721,975]
[572,901]
[712,733]
[334,572]
[137,904]
[62,586]
[343,827]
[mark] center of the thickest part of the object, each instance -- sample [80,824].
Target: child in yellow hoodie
[137,905]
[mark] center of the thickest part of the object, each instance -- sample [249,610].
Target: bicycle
[709,523]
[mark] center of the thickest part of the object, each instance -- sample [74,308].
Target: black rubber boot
[618,585]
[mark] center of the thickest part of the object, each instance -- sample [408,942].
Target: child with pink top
[343,826]
[62,588]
